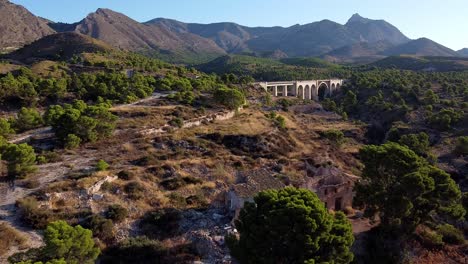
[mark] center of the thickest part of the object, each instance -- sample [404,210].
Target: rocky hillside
[18,26]
[125,33]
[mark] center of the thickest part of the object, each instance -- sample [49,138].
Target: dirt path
[46,174]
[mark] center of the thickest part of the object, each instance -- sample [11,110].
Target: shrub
[33,215]
[102,228]
[335,136]
[126,175]
[451,234]
[177,122]
[117,213]
[134,190]
[10,238]
[430,238]
[72,141]
[462,146]
[102,165]
[162,223]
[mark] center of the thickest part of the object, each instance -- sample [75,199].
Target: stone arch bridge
[312,89]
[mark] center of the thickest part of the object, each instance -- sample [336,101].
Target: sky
[445,23]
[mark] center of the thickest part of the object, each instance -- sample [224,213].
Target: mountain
[312,39]
[463,52]
[59,46]
[359,52]
[421,47]
[125,33]
[18,26]
[373,31]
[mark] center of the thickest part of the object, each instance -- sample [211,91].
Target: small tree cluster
[79,122]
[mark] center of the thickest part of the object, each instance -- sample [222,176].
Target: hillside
[463,52]
[125,33]
[59,46]
[415,63]
[421,47]
[360,52]
[19,27]
[265,69]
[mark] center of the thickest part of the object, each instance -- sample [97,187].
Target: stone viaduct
[312,90]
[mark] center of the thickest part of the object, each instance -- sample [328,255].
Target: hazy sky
[445,22]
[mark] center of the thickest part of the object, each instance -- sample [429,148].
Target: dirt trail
[46,174]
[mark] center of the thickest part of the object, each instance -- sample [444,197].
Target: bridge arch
[307,92]
[300,92]
[323,91]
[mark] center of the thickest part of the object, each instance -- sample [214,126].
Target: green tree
[291,226]
[231,98]
[28,118]
[349,102]
[419,143]
[21,159]
[403,189]
[74,244]
[102,165]
[5,128]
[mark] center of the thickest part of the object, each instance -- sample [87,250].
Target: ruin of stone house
[333,186]
[252,182]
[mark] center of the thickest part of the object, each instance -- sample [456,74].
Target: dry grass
[10,237]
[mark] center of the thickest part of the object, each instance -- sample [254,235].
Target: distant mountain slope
[123,32]
[359,52]
[312,39]
[59,46]
[18,26]
[424,63]
[463,52]
[421,47]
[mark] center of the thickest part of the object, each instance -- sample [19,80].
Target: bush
[10,238]
[72,141]
[177,122]
[161,224]
[102,228]
[117,213]
[335,136]
[126,175]
[102,165]
[134,190]
[451,234]
[462,146]
[430,238]
[32,215]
